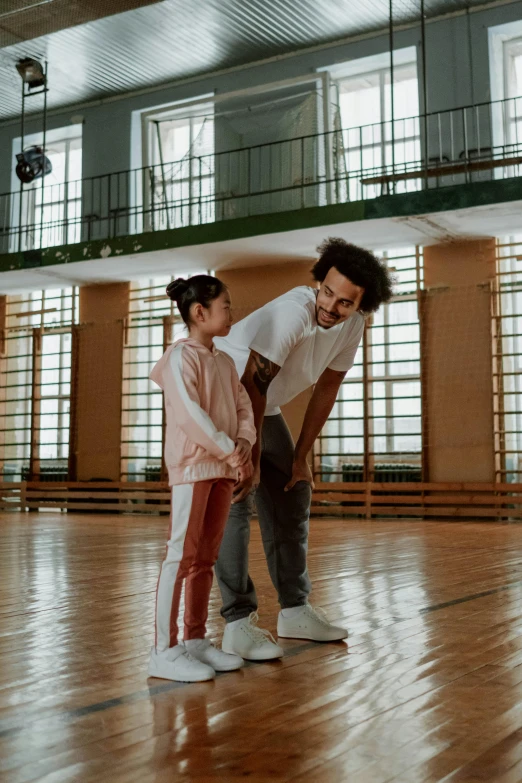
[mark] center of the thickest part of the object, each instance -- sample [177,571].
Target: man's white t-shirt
[286,332]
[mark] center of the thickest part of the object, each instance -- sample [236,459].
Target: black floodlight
[32,164]
[32,72]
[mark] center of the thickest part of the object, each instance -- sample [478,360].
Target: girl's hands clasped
[241,458]
[241,455]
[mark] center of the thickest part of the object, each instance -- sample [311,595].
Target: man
[305,337]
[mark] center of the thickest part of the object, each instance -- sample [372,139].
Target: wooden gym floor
[429,687]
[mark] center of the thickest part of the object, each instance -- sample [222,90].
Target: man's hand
[246,484]
[242,490]
[319,408]
[300,472]
[246,471]
[241,455]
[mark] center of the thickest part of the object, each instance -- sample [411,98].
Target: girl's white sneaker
[179,665]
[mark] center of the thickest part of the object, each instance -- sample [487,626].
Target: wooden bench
[131,496]
[443,171]
[424,500]
[342,499]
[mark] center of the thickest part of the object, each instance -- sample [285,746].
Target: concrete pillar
[457,361]
[97,382]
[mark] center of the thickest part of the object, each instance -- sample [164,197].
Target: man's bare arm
[319,408]
[257,377]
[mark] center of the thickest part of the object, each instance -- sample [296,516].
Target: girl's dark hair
[358,265]
[202,289]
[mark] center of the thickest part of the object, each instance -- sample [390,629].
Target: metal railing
[469,144]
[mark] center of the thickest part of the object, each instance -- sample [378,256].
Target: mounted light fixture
[32,164]
[32,72]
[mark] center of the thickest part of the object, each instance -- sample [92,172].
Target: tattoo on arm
[263,372]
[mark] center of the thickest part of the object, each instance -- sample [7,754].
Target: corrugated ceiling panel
[165,41]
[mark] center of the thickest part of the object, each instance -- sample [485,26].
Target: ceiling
[100,48]
[283,247]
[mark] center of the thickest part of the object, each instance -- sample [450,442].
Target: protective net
[260,154]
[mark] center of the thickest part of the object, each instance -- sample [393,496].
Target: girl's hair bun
[200,289]
[177,288]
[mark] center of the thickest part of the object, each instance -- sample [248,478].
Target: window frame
[68,227]
[388,141]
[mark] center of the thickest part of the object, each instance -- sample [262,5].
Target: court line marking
[129,698]
[474,597]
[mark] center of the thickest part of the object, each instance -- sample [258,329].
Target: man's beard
[334,318]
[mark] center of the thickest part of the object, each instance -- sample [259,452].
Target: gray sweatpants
[283,519]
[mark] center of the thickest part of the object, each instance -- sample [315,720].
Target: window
[181,156]
[513,67]
[152,325]
[513,92]
[36,384]
[374,431]
[372,143]
[51,207]
[505,62]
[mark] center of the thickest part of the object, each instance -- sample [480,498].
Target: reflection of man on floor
[305,337]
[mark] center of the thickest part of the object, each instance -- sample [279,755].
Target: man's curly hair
[358,265]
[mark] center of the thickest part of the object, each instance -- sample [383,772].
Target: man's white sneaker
[244,638]
[179,665]
[309,623]
[203,651]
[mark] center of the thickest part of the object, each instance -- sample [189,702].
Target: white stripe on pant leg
[181,506]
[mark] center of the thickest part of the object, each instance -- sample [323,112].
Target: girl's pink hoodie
[207,410]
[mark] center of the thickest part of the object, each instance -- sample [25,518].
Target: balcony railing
[469,144]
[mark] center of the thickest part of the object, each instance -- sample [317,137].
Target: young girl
[209,436]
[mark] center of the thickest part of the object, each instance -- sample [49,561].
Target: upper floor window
[377,135]
[505,59]
[513,91]
[513,67]
[365,99]
[180,152]
[50,209]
